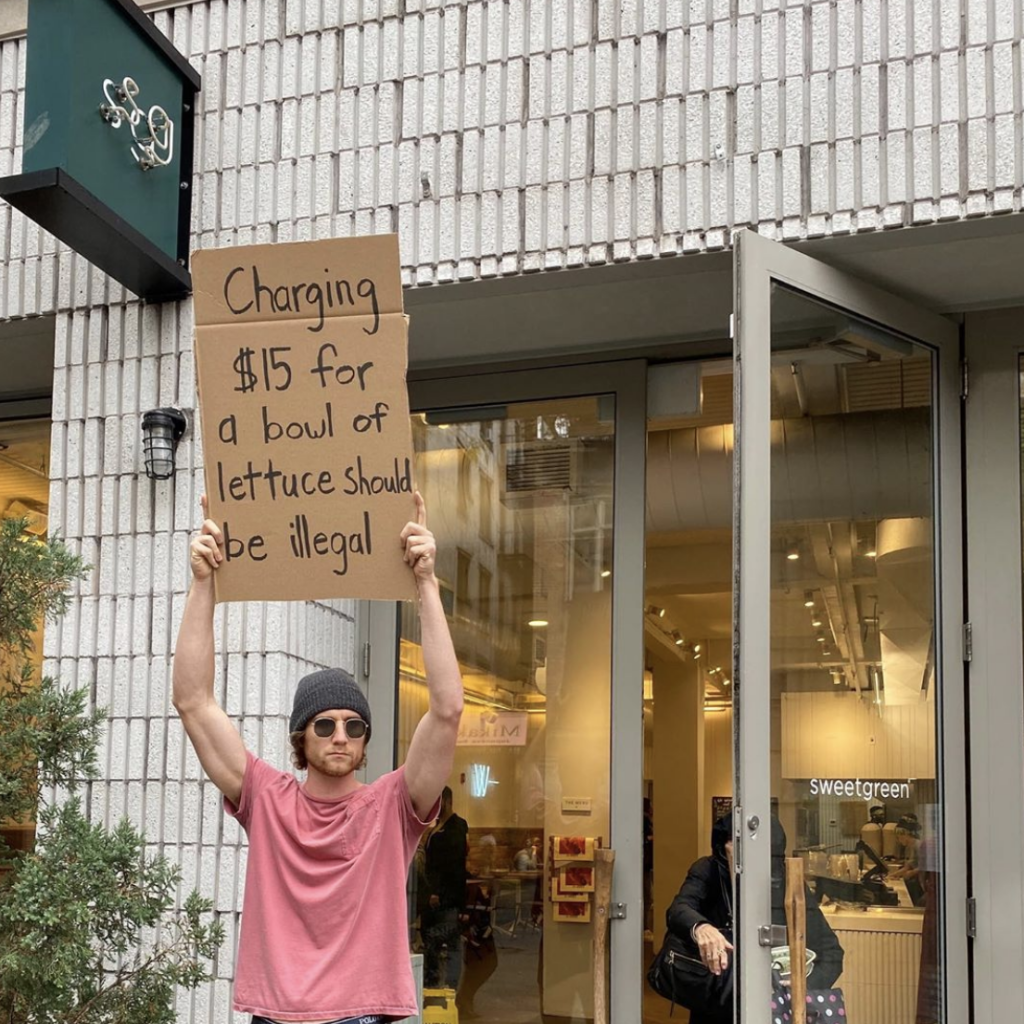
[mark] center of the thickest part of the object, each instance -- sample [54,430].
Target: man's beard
[334,766]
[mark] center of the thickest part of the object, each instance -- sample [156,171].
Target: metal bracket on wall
[617,912]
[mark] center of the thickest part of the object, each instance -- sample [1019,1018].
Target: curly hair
[298,741]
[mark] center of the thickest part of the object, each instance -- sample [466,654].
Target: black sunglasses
[355,728]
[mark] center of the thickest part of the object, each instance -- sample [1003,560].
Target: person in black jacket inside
[701,916]
[446,877]
[828,964]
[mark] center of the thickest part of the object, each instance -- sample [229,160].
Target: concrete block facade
[496,138]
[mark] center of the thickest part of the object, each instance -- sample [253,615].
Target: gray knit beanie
[330,689]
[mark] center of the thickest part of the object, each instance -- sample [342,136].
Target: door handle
[772,935]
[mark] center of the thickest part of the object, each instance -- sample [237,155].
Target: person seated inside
[701,916]
[526,858]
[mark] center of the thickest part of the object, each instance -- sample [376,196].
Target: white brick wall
[497,138]
[522,135]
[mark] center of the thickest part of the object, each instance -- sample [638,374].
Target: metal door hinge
[366,660]
[968,641]
[737,840]
[972,917]
[965,380]
[771,935]
[617,912]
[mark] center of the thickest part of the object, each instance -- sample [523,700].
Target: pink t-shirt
[324,921]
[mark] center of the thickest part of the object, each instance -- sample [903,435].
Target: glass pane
[520,498]
[688,765]
[854,682]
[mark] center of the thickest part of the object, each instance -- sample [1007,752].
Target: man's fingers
[211,529]
[208,547]
[414,554]
[415,530]
[209,556]
[421,509]
[209,526]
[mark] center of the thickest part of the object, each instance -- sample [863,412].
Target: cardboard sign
[301,353]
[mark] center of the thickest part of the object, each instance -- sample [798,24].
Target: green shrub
[88,929]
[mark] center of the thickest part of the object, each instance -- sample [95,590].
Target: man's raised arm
[432,751]
[216,741]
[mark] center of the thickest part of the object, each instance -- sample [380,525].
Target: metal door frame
[627,381]
[758,262]
[992,485]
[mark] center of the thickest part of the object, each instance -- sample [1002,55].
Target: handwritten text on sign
[301,357]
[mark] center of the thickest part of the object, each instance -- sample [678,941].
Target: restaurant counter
[882,958]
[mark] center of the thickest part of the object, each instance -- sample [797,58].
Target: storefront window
[688,764]
[855,767]
[521,500]
[24,494]
[854,687]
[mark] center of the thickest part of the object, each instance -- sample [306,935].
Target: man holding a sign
[323,934]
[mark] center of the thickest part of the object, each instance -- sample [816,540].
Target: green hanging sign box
[108,141]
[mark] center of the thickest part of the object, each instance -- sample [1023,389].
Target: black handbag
[679,975]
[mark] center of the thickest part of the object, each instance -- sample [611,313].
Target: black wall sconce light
[161,431]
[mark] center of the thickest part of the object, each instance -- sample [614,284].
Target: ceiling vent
[891,384]
[538,468]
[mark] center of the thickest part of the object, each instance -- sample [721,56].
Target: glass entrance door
[527,489]
[847,673]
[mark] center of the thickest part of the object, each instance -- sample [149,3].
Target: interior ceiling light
[696,648]
[816,622]
[808,599]
[537,623]
[661,613]
[606,573]
[727,682]
[793,555]
[678,638]
[872,553]
[820,638]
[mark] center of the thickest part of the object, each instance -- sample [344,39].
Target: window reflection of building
[522,501]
